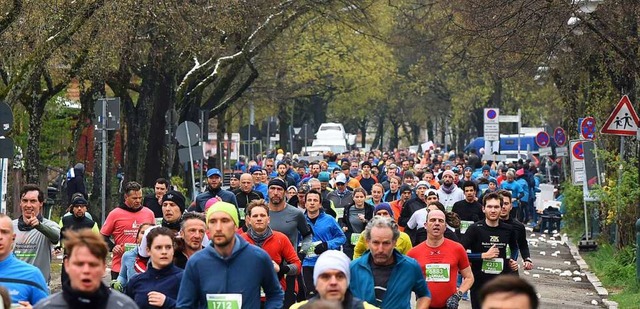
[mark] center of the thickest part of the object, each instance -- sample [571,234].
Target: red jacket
[278,247]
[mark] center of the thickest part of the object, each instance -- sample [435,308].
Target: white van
[337,145]
[331,130]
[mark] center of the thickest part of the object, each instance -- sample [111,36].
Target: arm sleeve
[41,291]
[169,303]
[412,221]
[405,214]
[270,285]
[360,248]
[513,243]
[291,258]
[189,289]
[523,244]
[110,243]
[337,237]
[420,285]
[50,230]
[305,231]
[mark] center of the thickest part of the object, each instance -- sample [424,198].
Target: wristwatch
[459,293]
[528,260]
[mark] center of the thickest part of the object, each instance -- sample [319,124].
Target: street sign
[491,124]
[188,134]
[509,118]
[562,151]
[623,120]
[108,112]
[542,139]
[588,128]
[545,151]
[6,118]
[577,162]
[560,136]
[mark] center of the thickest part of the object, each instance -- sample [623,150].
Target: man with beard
[231,256]
[34,234]
[518,227]
[214,189]
[258,185]
[172,210]
[276,244]
[290,221]
[469,210]
[154,201]
[341,197]
[383,276]
[487,241]
[122,224]
[283,174]
[77,220]
[192,233]
[449,192]
[314,171]
[441,259]
[245,194]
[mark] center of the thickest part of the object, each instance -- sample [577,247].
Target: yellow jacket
[403,245]
[304,302]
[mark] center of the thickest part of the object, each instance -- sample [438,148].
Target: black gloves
[453,301]
[322,247]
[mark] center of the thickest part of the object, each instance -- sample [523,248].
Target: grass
[616,269]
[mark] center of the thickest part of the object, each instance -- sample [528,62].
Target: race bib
[311,251]
[508,252]
[354,238]
[129,246]
[464,225]
[448,208]
[242,213]
[339,212]
[224,301]
[493,266]
[159,221]
[437,272]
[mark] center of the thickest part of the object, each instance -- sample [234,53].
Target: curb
[602,291]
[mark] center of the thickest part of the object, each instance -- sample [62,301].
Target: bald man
[440,260]
[245,194]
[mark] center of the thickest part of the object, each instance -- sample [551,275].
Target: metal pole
[584,203]
[638,250]
[103,191]
[617,230]
[202,120]
[193,176]
[519,130]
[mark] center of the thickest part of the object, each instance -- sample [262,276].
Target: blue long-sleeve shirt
[325,229]
[514,188]
[165,281]
[24,281]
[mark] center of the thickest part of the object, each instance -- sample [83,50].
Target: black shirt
[151,202]
[521,237]
[480,237]
[468,211]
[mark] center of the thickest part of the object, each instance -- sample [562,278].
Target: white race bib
[354,238]
[339,213]
[311,251]
[437,272]
[224,301]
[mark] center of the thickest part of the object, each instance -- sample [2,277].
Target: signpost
[491,129]
[577,162]
[543,140]
[560,136]
[188,135]
[108,113]
[6,151]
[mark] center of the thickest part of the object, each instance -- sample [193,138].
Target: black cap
[79,200]
[175,197]
[277,182]
[405,188]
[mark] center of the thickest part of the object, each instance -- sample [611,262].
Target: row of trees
[399,67]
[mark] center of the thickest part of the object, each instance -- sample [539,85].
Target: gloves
[453,301]
[322,247]
[116,285]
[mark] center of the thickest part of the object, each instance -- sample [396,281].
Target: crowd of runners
[353,230]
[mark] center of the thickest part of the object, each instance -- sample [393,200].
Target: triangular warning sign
[623,121]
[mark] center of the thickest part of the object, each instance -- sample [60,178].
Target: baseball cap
[213,171]
[422,183]
[341,178]
[254,169]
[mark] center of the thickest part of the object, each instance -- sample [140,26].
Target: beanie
[332,259]
[176,197]
[384,206]
[450,173]
[277,182]
[210,202]
[405,188]
[422,183]
[79,200]
[225,207]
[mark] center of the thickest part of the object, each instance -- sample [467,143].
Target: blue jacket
[405,278]
[202,198]
[515,189]
[262,188]
[127,271]
[248,269]
[24,281]
[165,281]
[525,189]
[326,229]
[397,195]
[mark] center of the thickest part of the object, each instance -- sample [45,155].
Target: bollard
[638,251]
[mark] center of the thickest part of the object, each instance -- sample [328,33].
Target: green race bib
[354,238]
[224,301]
[464,225]
[448,208]
[312,248]
[129,246]
[242,213]
[493,266]
[437,272]
[339,212]
[159,221]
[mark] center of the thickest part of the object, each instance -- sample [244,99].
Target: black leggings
[309,287]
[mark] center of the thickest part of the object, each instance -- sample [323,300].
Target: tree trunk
[33,165]
[363,132]
[284,119]
[395,135]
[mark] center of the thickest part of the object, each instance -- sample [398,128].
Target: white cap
[422,183]
[341,178]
